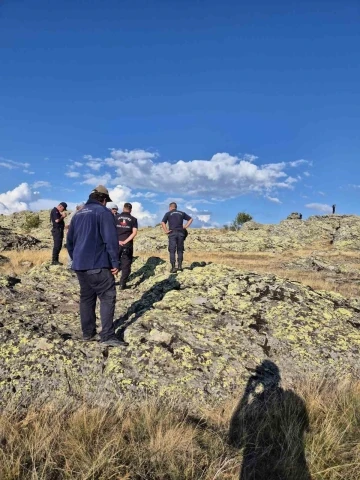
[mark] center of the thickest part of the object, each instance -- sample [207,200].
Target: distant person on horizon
[57,217]
[94,249]
[176,231]
[127,228]
[333,208]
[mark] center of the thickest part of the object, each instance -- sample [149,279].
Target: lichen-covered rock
[14,241]
[193,333]
[340,231]
[294,216]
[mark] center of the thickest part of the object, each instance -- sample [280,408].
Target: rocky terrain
[340,231]
[194,333]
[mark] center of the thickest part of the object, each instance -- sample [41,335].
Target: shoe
[56,262]
[180,267]
[173,268]
[91,338]
[114,342]
[122,287]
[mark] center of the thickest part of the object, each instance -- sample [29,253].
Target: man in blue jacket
[93,247]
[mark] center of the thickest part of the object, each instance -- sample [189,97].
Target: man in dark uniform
[176,233]
[94,249]
[57,216]
[127,227]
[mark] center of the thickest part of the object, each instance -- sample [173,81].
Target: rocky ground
[340,231]
[195,333]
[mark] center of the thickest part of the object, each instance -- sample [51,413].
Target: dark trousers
[99,283]
[176,244]
[125,258]
[58,237]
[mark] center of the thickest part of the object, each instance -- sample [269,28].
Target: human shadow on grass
[269,423]
[146,271]
[145,303]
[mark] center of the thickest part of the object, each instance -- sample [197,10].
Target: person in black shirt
[127,227]
[57,216]
[176,232]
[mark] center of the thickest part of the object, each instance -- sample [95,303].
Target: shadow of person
[145,303]
[147,270]
[269,423]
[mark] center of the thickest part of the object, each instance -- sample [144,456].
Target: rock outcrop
[10,240]
[194,333]
[319,231]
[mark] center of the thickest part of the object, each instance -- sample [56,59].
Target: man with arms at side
[93,247]
[127,227]
[176,231]
[57,216]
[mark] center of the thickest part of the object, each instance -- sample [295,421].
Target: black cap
[63,204]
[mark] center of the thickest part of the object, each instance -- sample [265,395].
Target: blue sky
[226,106]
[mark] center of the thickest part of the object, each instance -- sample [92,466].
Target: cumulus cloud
[320,207]
[23,197]
[121,194]
[93,163]
[94,180]
[222,175]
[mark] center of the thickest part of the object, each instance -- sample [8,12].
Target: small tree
[240,219]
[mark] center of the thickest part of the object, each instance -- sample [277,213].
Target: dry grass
[164,441]
[259,262]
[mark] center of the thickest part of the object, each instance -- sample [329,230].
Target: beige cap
[103,190]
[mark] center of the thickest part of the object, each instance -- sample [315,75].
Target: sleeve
[52,219]
[70,240]
[135,223]
[186,217]
[166,218]
[109,235]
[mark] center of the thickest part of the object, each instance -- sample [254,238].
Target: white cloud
[204,218]
[77,164]
[41,184]
[223,175]
[93,163]
[297,163]
[28,172]
[307,174]
[145,195]
[121,194]
[320,207]
[322,193]
[94,180]
[72,174]
[23,197]
[11,165]
[273,199]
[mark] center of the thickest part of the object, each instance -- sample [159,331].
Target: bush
[32,220]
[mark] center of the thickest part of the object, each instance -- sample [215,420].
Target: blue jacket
[92,240]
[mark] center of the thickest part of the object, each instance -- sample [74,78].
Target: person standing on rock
[57,217]
[127,228]
[333,208]
[93,247]
[176,232]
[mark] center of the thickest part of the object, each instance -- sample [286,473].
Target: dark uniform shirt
[124,225]
[56,215]
[175,219]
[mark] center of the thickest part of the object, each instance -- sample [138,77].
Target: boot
[173,268]
[180,266]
